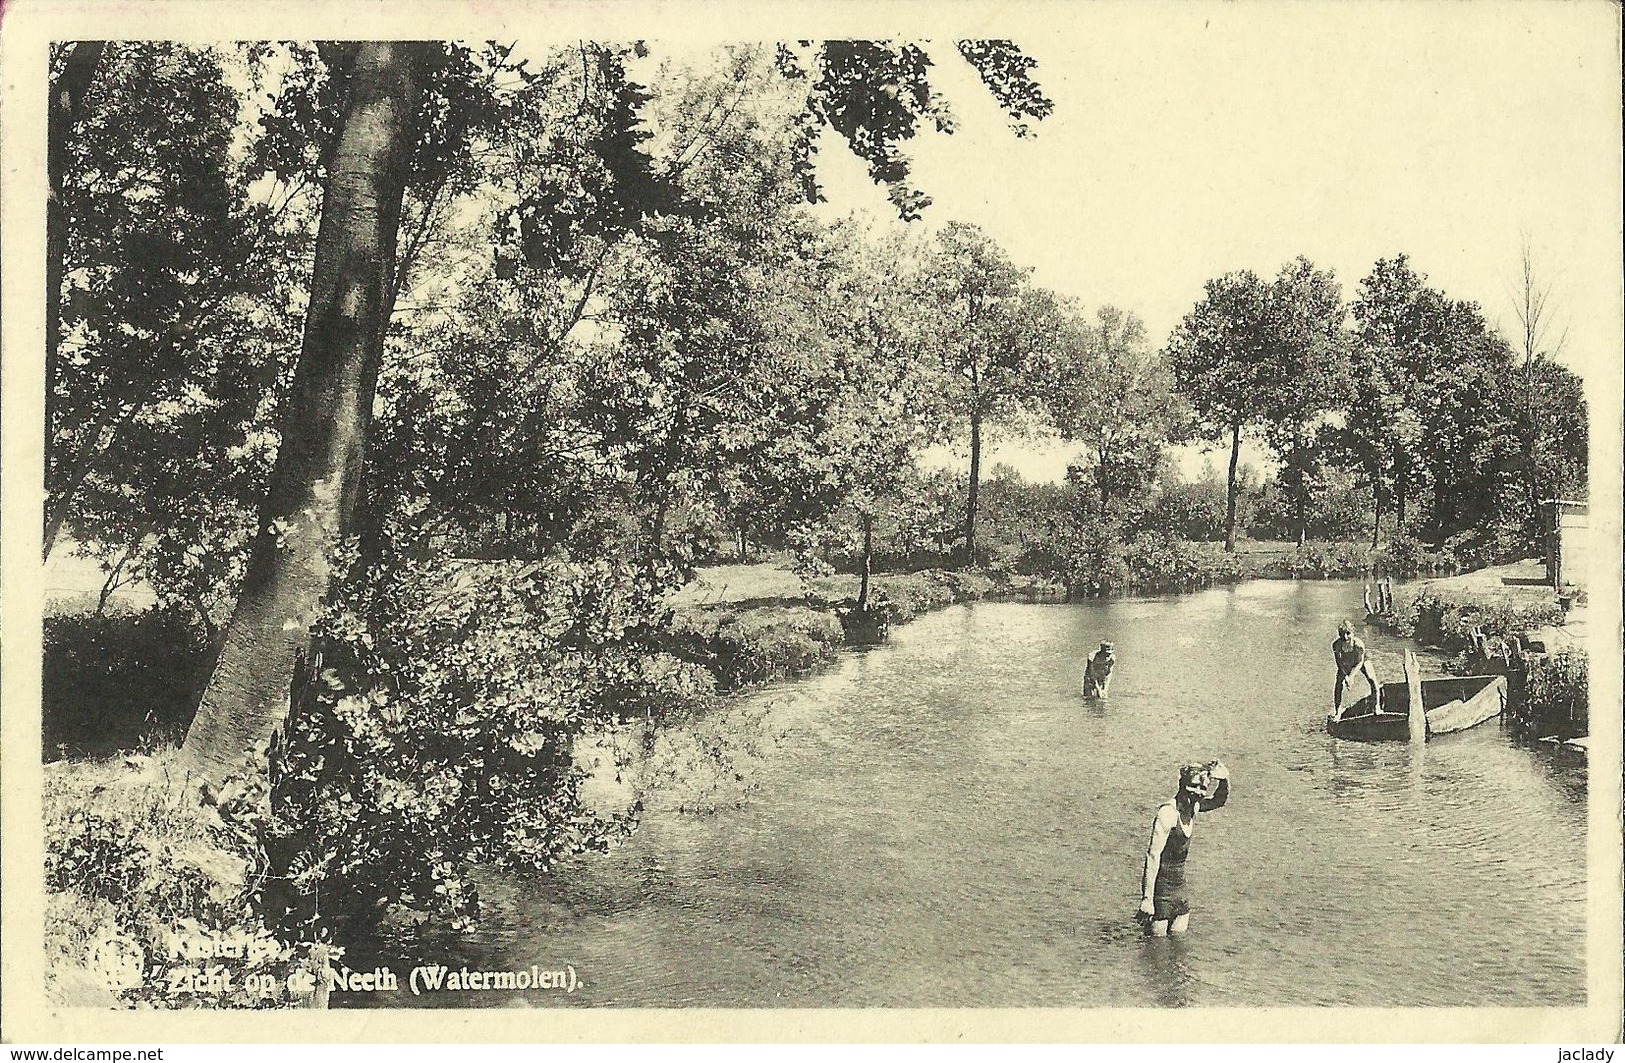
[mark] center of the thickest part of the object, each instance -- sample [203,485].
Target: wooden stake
[1418,718]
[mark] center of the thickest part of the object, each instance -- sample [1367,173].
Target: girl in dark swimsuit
[1164,904]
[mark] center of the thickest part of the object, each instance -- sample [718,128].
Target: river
[942,821]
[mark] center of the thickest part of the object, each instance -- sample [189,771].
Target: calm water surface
[943,822]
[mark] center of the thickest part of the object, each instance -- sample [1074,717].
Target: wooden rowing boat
[1445,706]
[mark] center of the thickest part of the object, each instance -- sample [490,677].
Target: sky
[1188,142]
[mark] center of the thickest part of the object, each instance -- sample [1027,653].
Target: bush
[1100,564]
[1335,560]
[1405,556]
[437,729]
[905,597]
[744,646]
[119,681]
[1448,623]
[1159,565]
[1499,542]
[1556,697]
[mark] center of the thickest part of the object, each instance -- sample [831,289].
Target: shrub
[1404,556]
[1497,543]
[1100,564]
[119,681]
[745,646]
[1556,697]
[136,870]
[1336,560]
[1448,623]
[1160,564]
[437,728]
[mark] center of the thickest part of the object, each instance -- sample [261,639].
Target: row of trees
[1413,391]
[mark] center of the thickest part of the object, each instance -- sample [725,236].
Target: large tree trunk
[64,110]
[1230,491]
[975,486]
[310,504]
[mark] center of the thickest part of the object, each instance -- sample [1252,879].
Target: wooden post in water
[1416,712]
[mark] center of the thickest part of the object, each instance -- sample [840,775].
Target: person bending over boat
[1165,906]
[1349,653]
[1097,674]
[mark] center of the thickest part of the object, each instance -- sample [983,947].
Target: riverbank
[1501,601]
[754,624]
[136,868]
[1508,620]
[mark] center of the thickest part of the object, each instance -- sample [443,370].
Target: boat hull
[1449,705]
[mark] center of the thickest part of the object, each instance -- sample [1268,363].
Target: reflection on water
[946,823]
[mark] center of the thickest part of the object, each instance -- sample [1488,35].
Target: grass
[136,861]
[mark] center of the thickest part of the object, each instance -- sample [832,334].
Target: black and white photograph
[1104,509]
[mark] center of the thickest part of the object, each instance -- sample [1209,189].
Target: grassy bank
[753,624]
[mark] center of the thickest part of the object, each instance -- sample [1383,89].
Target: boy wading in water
[1165,906]
[1097,674]
[1349,653]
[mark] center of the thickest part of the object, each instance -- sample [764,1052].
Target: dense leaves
[173,312]
[436,730]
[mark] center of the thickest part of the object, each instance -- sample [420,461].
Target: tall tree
[1538,345]
[312,495]
[1110,391]
[1222,365]
[74,67]
[1308,374]
[886,408]
[1380,429]
[994,332]
[1390,311]
[153,248]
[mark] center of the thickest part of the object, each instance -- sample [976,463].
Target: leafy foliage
[876,93]
[437,731]
[132,869]
[173,324]
[118,680]
[1556,699]
[1109,391]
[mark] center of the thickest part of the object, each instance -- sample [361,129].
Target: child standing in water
[1097,674]
[1164,903]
